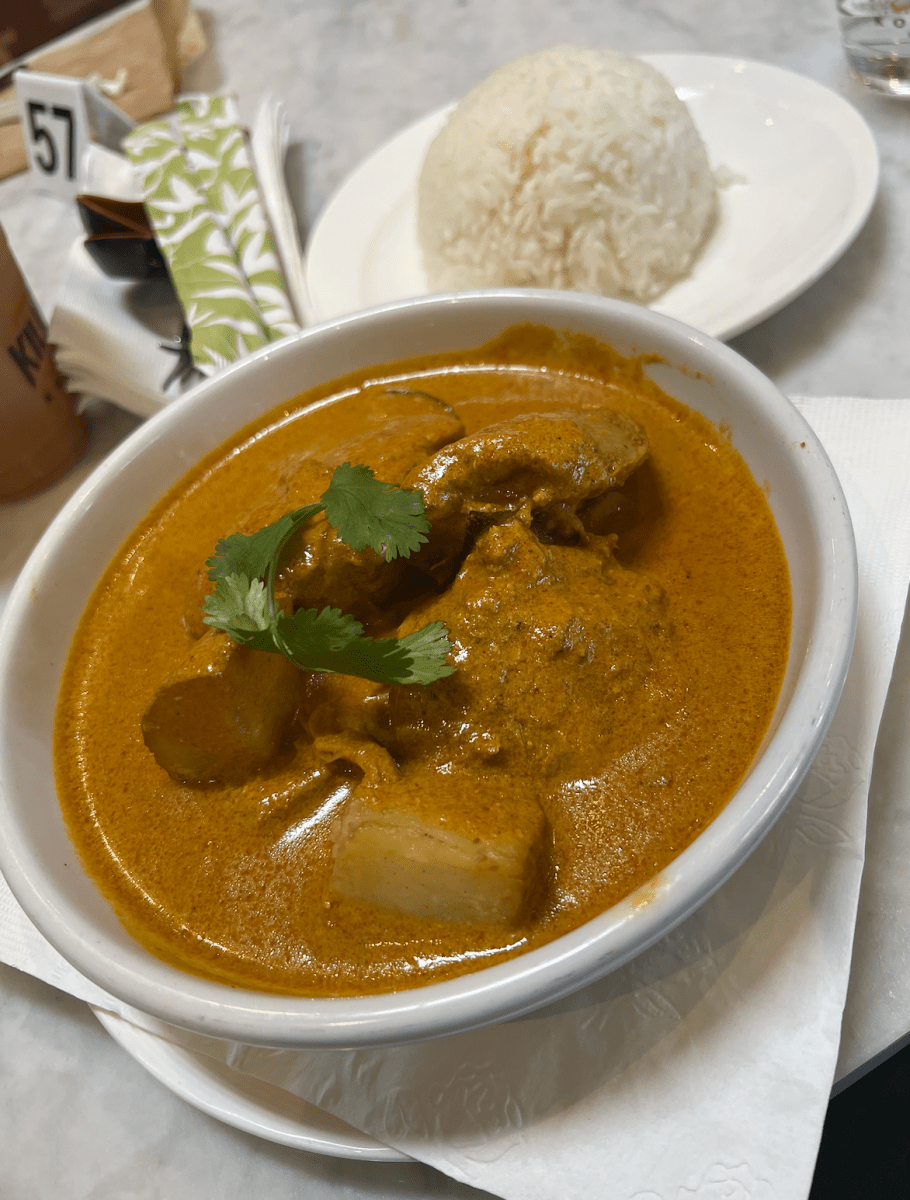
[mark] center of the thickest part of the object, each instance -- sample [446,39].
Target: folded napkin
[196,176]
[703,1068]
[229,234]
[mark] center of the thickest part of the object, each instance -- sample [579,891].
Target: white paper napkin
[269,142]
[703,1068]
[109,335]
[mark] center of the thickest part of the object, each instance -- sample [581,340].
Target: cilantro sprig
[365,512]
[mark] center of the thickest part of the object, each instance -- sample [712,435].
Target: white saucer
[805,167]
[242,1101]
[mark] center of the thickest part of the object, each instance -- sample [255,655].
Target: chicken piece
[362,751]
[543,635]
[446,848]
[339,703]
[304,485]
[318,569]
[549,458]
[537,463]
[224,713]
[348,720]
[404,430]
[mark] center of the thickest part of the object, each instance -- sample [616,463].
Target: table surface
[78,1117]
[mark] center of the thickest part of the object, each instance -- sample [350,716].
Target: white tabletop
[79,1118]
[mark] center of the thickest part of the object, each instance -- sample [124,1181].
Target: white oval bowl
[36,854]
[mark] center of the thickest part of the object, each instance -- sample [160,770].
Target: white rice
[570,168]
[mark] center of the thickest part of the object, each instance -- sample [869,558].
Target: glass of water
[876,38]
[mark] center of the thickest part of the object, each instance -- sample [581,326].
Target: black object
[120,238]
[125,257]
[865,1149]
[184,368]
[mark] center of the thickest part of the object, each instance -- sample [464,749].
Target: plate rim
[214,1089]
[862,146]
[859,147]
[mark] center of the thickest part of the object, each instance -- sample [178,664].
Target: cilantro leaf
[331,641]
[253,554]
[365,512]
[368,513]
[314,639]
[238,605]
[428,648]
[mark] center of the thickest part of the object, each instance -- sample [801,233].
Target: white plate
[807,159]
[242,1101]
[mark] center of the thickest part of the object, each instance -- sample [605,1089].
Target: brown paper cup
[41,434]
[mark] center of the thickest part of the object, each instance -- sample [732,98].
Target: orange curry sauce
[233,881]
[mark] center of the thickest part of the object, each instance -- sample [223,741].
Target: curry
[617,602]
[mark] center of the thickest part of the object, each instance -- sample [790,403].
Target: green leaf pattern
[201,195]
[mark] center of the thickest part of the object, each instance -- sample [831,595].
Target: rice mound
[570,168]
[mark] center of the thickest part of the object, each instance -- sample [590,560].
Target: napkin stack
[703,1068]
[222,216]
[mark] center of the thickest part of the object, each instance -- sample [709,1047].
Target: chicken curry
[616,603]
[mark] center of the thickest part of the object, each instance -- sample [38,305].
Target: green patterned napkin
[201,195]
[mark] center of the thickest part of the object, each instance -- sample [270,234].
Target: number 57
[46,155]
[56,130]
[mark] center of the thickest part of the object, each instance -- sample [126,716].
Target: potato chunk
[447,848]
[223,714]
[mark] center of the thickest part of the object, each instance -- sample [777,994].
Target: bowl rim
[538,976]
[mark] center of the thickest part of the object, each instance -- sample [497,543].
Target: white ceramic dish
[242,1101]
[806,170]
[36,855]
